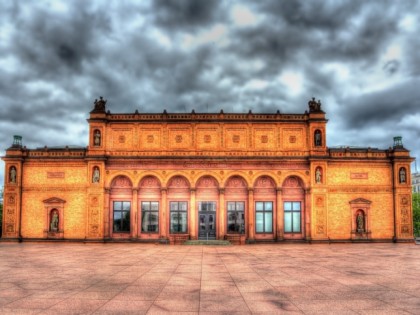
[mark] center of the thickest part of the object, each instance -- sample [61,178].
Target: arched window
[318,138]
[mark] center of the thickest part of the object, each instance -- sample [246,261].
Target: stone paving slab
[74,278]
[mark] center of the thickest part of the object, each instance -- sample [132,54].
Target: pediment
[361,200]
[54,200]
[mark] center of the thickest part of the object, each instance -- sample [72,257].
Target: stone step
[207,242]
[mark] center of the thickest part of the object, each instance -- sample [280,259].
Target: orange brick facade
[242,177]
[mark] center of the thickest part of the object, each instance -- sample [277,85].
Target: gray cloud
[57,57]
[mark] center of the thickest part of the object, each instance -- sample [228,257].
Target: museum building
[171,177]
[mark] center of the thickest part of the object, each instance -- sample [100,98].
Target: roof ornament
[99,105]
[314,106]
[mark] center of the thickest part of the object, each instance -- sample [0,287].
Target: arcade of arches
[208,210]
[244,177]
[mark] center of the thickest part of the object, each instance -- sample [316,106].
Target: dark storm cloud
[189,14]
[382,107]
[57,57]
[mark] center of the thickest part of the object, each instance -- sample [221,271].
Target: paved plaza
[70,278]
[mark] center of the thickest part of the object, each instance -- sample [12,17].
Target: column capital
[193,190]
[308,190]
[279,189]
[221,190]
[164,190]
[107,190]
[250,190]
[135,190]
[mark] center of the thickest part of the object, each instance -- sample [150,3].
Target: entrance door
[207,225]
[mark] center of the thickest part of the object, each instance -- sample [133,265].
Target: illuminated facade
[241,177]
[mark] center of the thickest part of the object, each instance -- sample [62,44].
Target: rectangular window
[122,216]
[179,216]
[264,217]
[292,217]
[150,216]
[236,217]
[207,206]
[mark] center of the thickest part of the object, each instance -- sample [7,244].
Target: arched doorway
[207,196]
[121,214]
[293,195]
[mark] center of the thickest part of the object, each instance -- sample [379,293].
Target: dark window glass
[235,217]
[150,216]
[264,217]
[122,216]
[207,206]
[292,217]
[178,216]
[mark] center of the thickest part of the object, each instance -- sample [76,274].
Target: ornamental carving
[178,138]
[292,139]
[236,138]
[207,182]
[150,182]
[121,181]
[264,139]
[150,138]
[207,138]
[236,182]
[121,139]
[178,182]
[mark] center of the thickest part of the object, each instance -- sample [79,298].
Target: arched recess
[318,138]
[121,212]
[236,197]
[265,207]
[150,207]
[293,210]
[54,214]
[360,218]
[179,204]
[207,200]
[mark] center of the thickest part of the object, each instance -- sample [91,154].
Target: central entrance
[207,220]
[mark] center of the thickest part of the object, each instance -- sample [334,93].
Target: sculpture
[318,175]
[97,138]
[402,175]
[96,176]
[54,222]
[100,104]
[314,106]
[12,175]
[360,222]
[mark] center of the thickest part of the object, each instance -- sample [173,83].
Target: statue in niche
[97,138]
[96,175]
[318,142]
[318,175]
[12,175]
[54,222]
[402,175]
[360,220]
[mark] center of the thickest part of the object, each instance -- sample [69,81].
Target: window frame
[150,211]
[292,211]
[171,231]
[264,211]
[122,211]
[235,211]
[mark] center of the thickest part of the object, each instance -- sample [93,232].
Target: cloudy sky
[361,58]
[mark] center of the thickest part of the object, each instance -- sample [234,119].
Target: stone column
[221,215]
[134,213]
[106,214]
[163,214]
[192,222]
[251,215]
[280,215]
[308,211]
